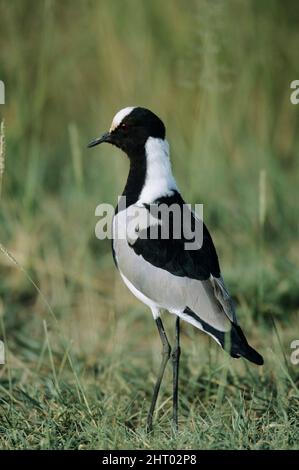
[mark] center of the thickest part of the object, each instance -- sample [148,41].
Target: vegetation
[81,351]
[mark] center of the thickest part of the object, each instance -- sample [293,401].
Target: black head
[130,129]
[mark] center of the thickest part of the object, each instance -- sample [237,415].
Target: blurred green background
[218,74]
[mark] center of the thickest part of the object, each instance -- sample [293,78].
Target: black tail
[240,347]
[238,343]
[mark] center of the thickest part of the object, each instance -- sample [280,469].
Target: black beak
[104,138]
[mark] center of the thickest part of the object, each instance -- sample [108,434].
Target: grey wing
[175,293]
[223,296]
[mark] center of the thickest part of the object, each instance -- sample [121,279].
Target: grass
[82,353]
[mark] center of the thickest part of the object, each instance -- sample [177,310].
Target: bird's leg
[175,364]
[165,356]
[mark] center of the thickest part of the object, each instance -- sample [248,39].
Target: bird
[159,270]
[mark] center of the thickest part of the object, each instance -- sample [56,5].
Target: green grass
[82,353]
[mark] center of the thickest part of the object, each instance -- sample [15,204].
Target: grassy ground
[82,353]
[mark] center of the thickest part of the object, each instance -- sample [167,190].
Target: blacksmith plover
[159,270]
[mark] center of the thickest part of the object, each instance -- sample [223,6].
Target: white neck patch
[120,116]
[159,180]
